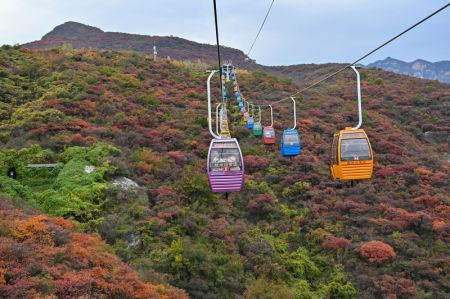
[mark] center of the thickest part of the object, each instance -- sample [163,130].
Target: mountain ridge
[79,36]
[419,68]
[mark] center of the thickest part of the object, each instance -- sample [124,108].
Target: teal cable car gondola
[257,127]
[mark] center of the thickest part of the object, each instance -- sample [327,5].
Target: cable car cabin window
[291,140]
[225,157]
[353,135]
[269,133]
[355,150]
[257,126]
[334,153]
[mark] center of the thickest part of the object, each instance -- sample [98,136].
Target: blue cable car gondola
[290,143]
[290,140]
[241,105]
[250,119]
[233,74]
[250,122]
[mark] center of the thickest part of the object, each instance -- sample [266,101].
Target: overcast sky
[297,31]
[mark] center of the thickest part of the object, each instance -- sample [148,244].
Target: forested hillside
[108,116]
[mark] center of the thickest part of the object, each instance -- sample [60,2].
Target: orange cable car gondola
[269,131]
[351,151]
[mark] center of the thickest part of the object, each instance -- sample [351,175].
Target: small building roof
[48,165]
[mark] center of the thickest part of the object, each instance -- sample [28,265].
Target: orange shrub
[377,252]
[33,228]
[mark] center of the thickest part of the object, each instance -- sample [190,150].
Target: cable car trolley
[225,164]
[351,151]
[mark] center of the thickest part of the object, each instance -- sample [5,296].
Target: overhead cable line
[218,47]
[260,28]
[361,58]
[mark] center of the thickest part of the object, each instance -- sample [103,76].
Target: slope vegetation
[292,233]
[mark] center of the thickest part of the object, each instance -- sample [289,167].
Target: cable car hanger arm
[217,118]
[208,87]
[295,113]
[358,83]
[271,115]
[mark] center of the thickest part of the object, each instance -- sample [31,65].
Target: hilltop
[291,233]
[83,36]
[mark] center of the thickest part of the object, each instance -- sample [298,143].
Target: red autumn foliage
[406,219]
[398,288]
[383,173]
[41,256]
[173,138]
[78,140]
[79,124]
[262,204]
[336,244]
[385,225]
[425,201]
[439,226]
[351,206]
[253,163]
[179,158]
[377,252]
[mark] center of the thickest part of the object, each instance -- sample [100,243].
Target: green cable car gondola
[257,127]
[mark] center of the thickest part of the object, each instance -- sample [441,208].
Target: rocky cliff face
[419,68]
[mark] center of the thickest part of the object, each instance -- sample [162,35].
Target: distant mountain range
[419,68]
[79,35]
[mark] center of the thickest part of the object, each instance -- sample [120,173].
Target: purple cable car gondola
[225,165]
